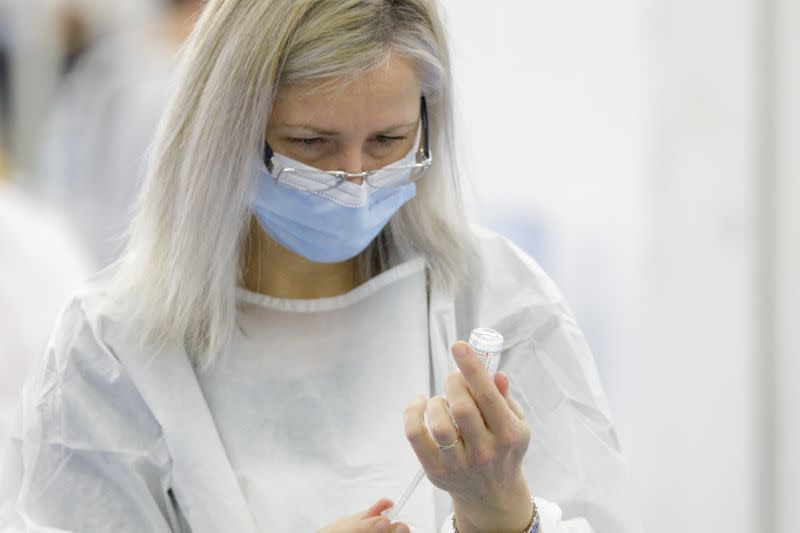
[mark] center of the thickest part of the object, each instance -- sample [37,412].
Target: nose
[352,161]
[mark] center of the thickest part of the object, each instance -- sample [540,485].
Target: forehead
[389,92]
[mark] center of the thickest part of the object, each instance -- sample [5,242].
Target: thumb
[377,508]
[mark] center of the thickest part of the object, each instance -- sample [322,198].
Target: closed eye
[306,142]
[383,139]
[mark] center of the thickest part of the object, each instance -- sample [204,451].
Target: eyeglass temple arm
[423,112]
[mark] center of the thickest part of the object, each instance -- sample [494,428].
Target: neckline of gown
[300,305]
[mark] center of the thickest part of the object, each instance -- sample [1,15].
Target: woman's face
[357,126]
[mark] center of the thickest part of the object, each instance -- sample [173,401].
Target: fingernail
[460,350]
[382,526]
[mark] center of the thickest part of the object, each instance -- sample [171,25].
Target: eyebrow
[333,133]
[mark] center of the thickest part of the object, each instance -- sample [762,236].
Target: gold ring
[448,446]
[458,430]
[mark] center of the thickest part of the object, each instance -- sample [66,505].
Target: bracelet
[532,527]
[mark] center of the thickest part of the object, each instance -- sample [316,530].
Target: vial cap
[486,340]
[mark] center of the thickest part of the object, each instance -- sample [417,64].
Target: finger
[399,527]
[417,434]
[517,409]
[492,404]
[443,429]
[375,525]
[503,383]
[464,410]
[377,508]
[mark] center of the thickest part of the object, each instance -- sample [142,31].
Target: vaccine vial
[488,344]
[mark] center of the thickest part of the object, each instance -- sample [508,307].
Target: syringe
[487,344]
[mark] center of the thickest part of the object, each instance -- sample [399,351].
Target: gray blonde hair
[178,276]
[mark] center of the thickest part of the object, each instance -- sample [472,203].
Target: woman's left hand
[478,460]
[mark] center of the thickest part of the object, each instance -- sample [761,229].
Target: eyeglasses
[384,178]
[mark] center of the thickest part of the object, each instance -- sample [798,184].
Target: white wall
[786,466]
[621,139]
[698,444]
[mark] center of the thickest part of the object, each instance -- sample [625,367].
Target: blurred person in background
[103,121]
[75,35]
[41,260]
[48,38]
[5,84]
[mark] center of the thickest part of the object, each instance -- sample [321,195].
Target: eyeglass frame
[341,175]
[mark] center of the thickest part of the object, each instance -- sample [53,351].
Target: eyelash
[314,141]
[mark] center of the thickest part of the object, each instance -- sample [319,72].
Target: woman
[299,271]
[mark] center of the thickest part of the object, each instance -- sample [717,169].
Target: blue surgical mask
[327,226]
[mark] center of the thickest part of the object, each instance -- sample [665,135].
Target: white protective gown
[300,422]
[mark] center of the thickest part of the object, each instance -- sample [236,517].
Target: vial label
[488,344]
[489,361]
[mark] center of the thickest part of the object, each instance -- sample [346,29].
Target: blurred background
[643,151]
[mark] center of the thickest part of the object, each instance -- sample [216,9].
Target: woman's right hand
[369,521]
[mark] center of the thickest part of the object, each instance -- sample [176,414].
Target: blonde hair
[179,274]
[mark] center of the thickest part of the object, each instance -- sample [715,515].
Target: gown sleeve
[87,454]
[574,464]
